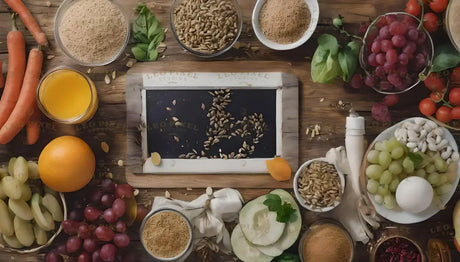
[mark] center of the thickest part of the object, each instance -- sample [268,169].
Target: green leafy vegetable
[284,211]
[446,57]
[331,60]
[416,158]
[288,257]
[147,35]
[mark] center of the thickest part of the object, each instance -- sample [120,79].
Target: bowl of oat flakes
[319,185]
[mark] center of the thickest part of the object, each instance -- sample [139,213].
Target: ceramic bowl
[296,186]
[314,16]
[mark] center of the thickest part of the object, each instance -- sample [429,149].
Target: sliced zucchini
[270,250]
[21,209]
[24,231]
[245,250]
[258,224]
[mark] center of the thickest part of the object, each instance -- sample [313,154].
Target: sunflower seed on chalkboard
[175,119]
[176,138]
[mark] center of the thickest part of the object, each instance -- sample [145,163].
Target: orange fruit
[66,164]
[279,168]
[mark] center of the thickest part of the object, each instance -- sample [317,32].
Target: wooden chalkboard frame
[286,83]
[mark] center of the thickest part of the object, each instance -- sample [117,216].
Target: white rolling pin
[354,144]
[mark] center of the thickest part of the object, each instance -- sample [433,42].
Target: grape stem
[341,29]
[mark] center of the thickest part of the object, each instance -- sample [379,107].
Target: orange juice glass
[67,96]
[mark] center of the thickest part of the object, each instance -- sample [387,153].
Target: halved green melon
[245,250]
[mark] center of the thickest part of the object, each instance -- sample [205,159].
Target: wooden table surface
[319,103]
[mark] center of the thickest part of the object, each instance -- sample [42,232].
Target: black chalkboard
[177,122]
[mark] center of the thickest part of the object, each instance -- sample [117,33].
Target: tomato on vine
[443,114]
[430,22]
[455,113]
[413,8]
[455,76]
[436,96]
[438,6]
[454,96]
[435,82]
[427,107]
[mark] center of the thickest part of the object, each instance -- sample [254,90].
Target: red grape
[84,231]
[356,81]
[389,67]
[69,226]
[108,252]
[391,18]
[73,244]
[90,245]
[403,59]
[96,196]
[84,257]
[386,45]
[390,100]
[410,48]
[398,28]
[394,79]
[384,33]
[391,56]
[92,213]
[380,72]
[107,200]
[61,249]
[421,38]
[104,233]
[120,226]
[375,47]
[121,240]
[370,80]
[124,191]
[119,207]
[53,257]
[385,86]
[110,216]
[97,256]
[141,213]
[107,185]
[381,113]
[76,214]
[78,203]
[371,60]
[380,58]
[398,41]
[412,34]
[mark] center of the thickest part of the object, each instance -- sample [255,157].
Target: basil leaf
[288,257]
[152,55]
[446,57]
[329,42]
[154,28]
[348,62]
[416,158]
[273,202]
[354,48]
[140,52]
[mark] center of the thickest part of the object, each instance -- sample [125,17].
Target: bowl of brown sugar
[91,33]
[167,235]
[285,25]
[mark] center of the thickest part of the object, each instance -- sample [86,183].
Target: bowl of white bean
[413,147]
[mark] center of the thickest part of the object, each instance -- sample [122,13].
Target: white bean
[438,131]
[443,143]
[448,161]
[423,133]
[455,156]
[445,155]
[438,139]
[420,121]
[411,145]
[415,150]
[424,146]
[430,140]
[433,147]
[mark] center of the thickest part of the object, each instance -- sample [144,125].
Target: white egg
[414,194]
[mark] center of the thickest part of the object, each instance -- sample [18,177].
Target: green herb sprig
[147,35]
[284,211]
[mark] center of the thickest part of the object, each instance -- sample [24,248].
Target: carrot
[2,82]
[33,127]
[28,20]
[16,68]
[26,104]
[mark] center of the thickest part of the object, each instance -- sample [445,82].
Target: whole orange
[66,164]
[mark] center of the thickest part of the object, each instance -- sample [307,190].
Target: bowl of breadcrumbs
[285,25]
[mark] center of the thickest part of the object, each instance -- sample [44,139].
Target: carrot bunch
[18,101]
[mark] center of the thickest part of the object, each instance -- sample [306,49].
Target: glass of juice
[67,96]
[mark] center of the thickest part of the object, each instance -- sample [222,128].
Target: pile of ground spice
[284,22]
[93,31]
[326,243]
[166,234]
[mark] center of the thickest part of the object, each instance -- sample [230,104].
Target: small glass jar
[187,250]
[67,96]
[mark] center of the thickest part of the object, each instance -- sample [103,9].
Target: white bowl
[296,186]
[314,15]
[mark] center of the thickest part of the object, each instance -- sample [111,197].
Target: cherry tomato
[436,96]
[427,107]
[430,22]
[438,6]
[434,82]
[455,113]
[455,76]
[443,114]
[454,96]
[413,8]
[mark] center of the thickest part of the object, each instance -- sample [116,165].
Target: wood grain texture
[109,123]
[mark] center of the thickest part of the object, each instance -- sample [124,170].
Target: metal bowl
[296,186]
[198,53]
[187,251]
[35,248]
[370,35]
[57,21]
